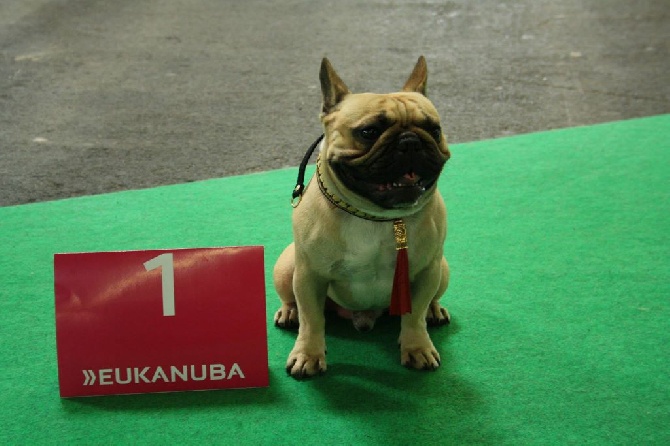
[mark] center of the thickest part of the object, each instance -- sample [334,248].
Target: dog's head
[384,152]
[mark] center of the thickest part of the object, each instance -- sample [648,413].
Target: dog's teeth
[395,184]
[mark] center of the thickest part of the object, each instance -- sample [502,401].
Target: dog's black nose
[408,142]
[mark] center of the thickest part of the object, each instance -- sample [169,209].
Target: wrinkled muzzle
[396,174]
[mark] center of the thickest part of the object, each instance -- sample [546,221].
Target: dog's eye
[436,133]
[370,133]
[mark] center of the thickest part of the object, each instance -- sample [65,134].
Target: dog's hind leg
[287,315]
[436,314]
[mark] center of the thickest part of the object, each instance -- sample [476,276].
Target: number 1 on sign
[166,263]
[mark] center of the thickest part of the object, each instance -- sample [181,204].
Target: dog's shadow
[357,381]
[365,378]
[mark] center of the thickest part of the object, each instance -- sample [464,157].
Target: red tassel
[401,298]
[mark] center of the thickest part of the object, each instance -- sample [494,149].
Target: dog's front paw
[287,316]
[418,352]
[303,364]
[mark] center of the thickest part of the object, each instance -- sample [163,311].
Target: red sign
[160,321]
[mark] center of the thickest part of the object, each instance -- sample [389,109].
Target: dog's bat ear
[332,87]
[419,77]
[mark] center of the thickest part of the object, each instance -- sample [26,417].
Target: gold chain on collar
[338,202]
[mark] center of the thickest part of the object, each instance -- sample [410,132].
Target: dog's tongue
[408,179]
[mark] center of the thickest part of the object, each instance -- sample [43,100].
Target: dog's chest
[363,277]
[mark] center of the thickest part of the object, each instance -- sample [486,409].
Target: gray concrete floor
[99,96]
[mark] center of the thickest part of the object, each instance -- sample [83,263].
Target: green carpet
[559,249]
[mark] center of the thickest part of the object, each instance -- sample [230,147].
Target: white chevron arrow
[89,377]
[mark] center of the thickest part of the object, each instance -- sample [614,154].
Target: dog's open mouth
[408,180]
[403,191]
[390,190]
